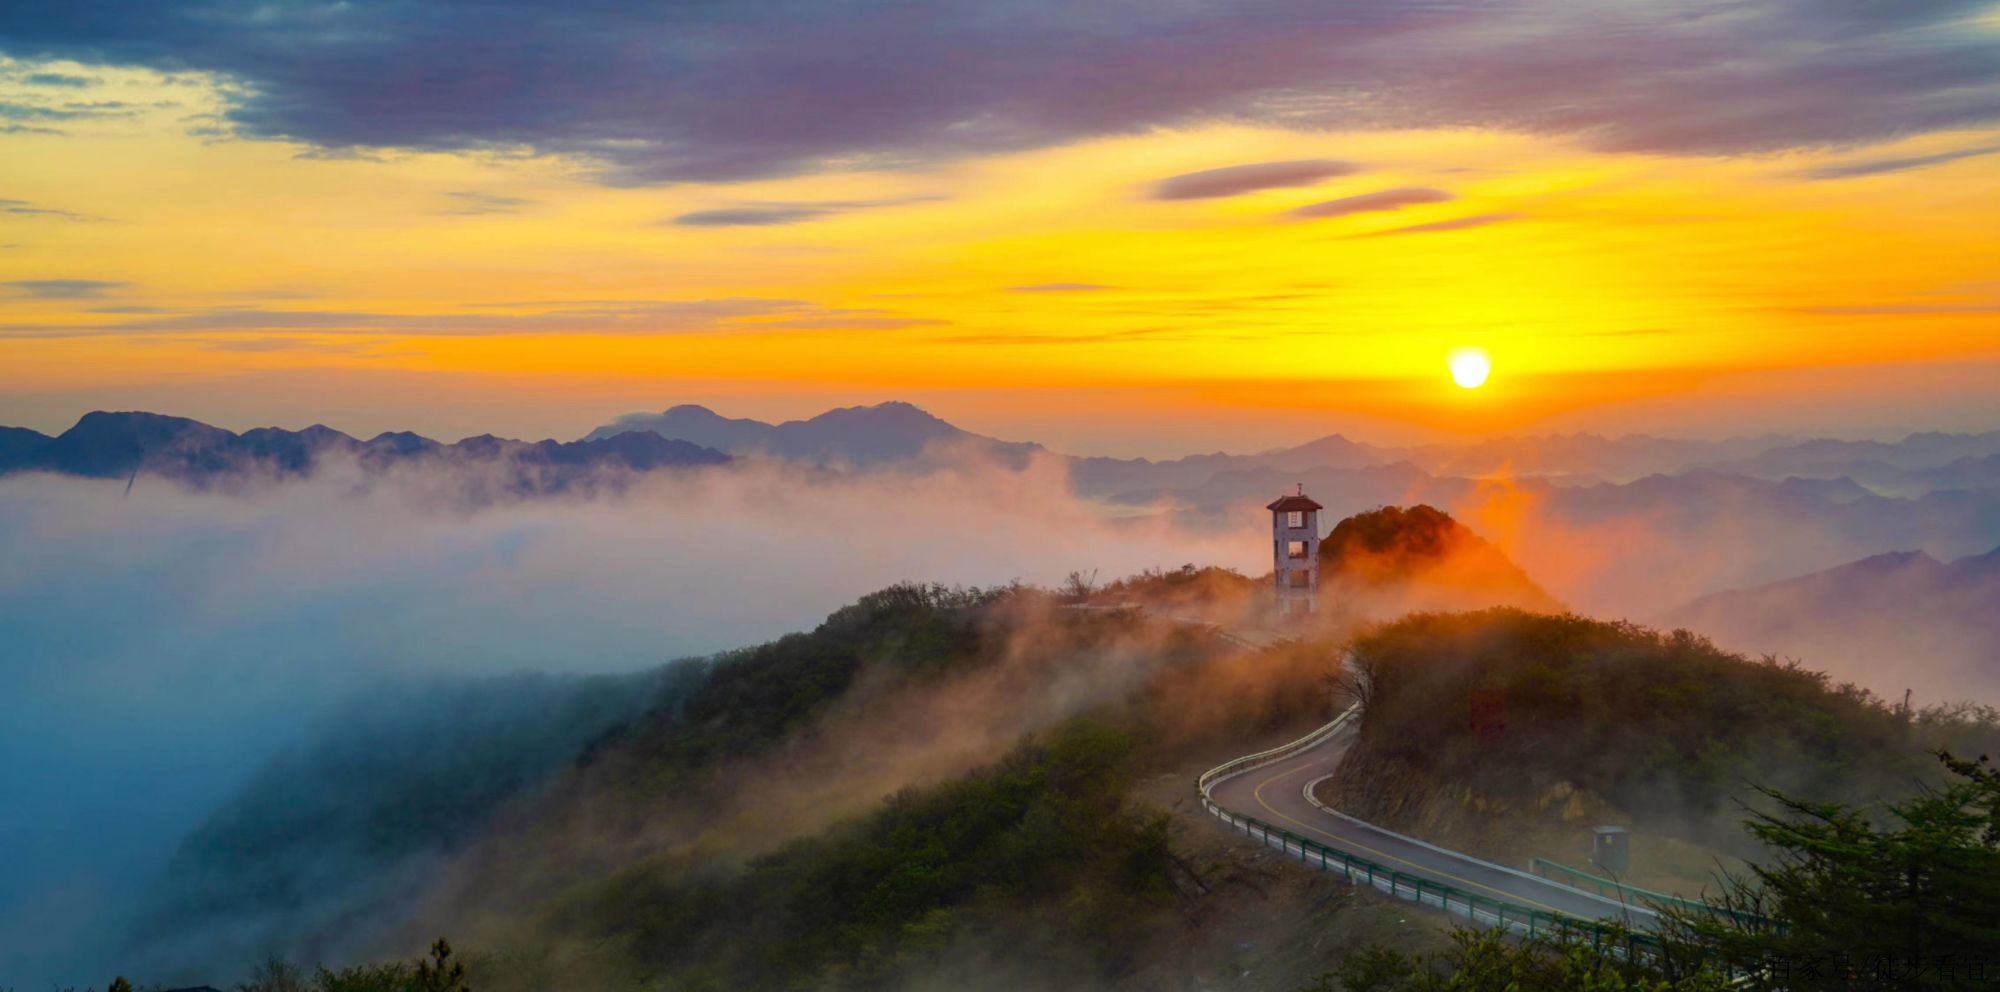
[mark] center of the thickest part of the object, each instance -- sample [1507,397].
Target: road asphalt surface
[1275,795]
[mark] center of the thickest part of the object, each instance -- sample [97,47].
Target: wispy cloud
[25,208]
[1238,179]
[1455,224]
[1877,166]
[60,79]
[1058,287]
[63,289]
[268,344]
[768,213]
[67,112]
[1388,199]
[473,203]
[734,315]
[749,216]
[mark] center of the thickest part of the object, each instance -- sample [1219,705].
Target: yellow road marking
[1258,794]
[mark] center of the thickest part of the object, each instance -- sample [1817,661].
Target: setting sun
[1470,366]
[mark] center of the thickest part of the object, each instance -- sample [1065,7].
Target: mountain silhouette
[1887,622]
[117,445]
[856,436]
[1872,462]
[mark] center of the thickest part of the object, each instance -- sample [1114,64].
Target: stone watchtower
[1295,552]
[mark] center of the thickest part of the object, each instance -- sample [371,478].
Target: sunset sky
[1130,228]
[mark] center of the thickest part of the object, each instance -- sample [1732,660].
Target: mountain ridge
[1937,622]
[856,436]
[106,444]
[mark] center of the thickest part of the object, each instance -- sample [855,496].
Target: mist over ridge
[211,598]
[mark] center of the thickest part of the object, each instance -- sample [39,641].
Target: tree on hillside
[1858,898]
[1492,961]
[440,973]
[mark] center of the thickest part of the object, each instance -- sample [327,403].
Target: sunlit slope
[1395,560]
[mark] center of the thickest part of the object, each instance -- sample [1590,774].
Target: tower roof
[1286,504]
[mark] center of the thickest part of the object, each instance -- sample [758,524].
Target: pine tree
[441,973]
[1857,898]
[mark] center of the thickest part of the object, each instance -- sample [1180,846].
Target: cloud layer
[711,92]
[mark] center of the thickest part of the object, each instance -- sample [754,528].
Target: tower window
[1296,518]
[1295,549]
[1300,579]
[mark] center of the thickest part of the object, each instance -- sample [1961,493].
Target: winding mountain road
[1276,794]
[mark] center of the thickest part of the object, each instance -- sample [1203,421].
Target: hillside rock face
[1394,560]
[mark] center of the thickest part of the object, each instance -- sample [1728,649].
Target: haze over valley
[221,597]
[1302,496]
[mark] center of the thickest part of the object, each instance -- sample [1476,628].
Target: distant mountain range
[1888,622]
[854,437]
[120,445]
[867,437]
[1704,515]
[902,435]
[1920,459]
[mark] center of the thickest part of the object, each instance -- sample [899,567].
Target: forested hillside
[1586,722]
[928,769]
[1391,561]
[942,788]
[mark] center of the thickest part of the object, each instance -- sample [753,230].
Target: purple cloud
[749,216]
[473,203]
[1237,179]
[1388,199]
[709,92]
[731,315]
[1871,167]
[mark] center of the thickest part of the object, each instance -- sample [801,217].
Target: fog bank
[156,647]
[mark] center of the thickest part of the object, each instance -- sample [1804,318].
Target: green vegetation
[1419,533]
[1042,844]
[439,972]
[742,702]
[637,870]
[1666,726]
[1391,561]
[396,774]
[1042,849]
[1903,894]
[1188,585]
[1488,961]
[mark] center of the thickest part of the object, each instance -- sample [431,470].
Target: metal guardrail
[1579,879]
[1481,910]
